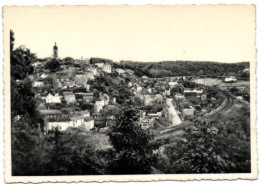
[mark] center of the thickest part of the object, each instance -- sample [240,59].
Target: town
[64,110]
[89,92]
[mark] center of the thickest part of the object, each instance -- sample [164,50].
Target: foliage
[111,86]
[203,154]
[68,59]
[27,143]
[188,84]
[53,65]
[21,59]
[134,151]
[87,106]
[204,148]
[180,68]
[176,89]
[70,154]
[27,148]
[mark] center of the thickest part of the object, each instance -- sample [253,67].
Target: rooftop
[88,119]
[51,111]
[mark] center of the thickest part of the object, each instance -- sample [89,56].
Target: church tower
[55,51]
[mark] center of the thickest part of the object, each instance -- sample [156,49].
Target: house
[193,92]
[87,97]
[230,79]
[43,76]
[69,97]
[37,64]
[155,114]
[172,84]
[76,120]
[53,98]
[51,81]
[38,83]
[85,113]
[188,111]
[120,70]
[100,65]
[107,68]
[146,123]
[89,123]
[73,121]
[99,104]
[50,115]
[61,124]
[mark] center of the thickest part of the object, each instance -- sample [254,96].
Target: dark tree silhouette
[133,147]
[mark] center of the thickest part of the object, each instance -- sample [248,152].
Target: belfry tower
[55,51]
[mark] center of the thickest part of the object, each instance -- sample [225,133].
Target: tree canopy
[132,145]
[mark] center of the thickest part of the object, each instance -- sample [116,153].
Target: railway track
[172,129]
[229,101]
[224,107]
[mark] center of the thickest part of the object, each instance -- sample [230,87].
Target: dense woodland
[206,147]
[184,68]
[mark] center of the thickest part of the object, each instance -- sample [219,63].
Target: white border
[135,2]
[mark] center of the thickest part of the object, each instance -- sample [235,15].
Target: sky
[138,33]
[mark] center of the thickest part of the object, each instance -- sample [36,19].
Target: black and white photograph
[149,92]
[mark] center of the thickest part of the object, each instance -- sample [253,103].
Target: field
[241,85]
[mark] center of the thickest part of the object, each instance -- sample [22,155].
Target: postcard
[129,93]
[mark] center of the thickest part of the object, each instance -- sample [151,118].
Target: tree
[202,151]
[132,145]
[70,154]
[21,59]
[28,148]
[27,142]
[68,59]
[87,106]
[11,40]
[53,65]
[176,89]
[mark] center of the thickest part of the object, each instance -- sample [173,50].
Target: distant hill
[182,68]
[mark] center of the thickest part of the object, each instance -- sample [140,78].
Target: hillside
[182,68]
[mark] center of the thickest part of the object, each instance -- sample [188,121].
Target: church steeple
[55,51]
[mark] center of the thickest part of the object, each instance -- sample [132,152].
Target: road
[173,115]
